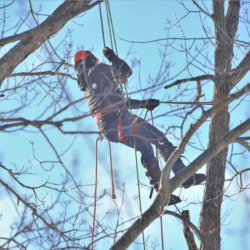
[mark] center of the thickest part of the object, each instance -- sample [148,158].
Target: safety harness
[121,138]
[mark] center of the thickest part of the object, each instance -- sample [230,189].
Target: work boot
[154,174]
[173,200]
[196,179]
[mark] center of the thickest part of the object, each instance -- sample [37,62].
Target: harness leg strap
[119,127]
[134,129]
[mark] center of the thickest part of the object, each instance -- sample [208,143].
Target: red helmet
[80,55]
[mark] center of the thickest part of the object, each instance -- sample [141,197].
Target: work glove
[150,104]
[109,54]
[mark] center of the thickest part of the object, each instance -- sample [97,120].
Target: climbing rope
[111,172]
[103,37]
[111,27]
[100,138]
[94,214]
[156,153]
[114,46]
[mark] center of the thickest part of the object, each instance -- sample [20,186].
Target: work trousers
[144,136]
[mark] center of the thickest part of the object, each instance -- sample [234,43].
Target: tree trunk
[213,193]
[225,29]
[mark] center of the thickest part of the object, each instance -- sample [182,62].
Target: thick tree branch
[167,187]
[176,154]
[232,18]
[211,152]
[33,39]
[187,232]
[154,211]
[238,73]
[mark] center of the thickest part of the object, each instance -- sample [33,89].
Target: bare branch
[44,73]
[197,78]
[187,232]
[33,209]
[187,223]
[33,39]
[166,187]
[242,141]
[188,103]
[232,18]
[238,73]
[200,8]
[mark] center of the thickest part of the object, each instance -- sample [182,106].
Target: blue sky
[134,22]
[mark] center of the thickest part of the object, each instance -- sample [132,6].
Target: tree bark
[210,214]
[33,39]
[167,187]
[225,30]
[187,231]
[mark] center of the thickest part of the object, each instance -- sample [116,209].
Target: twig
[242,141]
[197,78]
[188,103]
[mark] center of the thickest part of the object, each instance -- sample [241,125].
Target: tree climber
[100,84]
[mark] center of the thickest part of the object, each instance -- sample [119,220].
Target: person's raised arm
[120,69]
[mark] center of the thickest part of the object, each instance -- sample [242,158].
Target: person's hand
[109,53]
[150,104]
